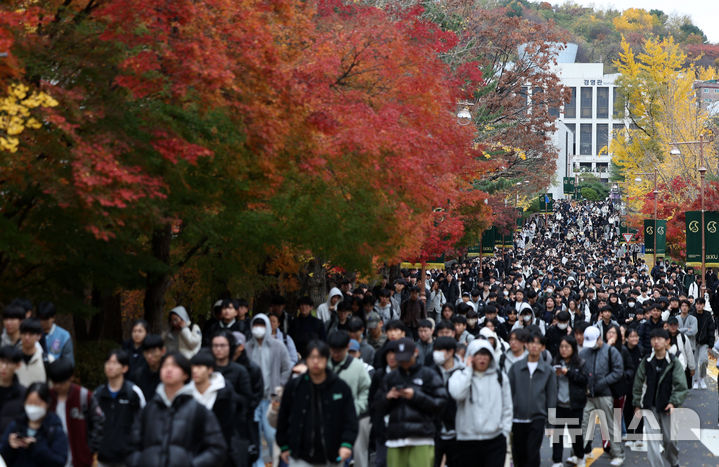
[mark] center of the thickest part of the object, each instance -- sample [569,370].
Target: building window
[570,108]
[706,90]
[602,102]
[618,107]
[602,138]
[602,167]
[586,103]
[585,166]
[573,128]
[585,139]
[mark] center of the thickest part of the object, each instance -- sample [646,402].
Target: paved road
[703,451]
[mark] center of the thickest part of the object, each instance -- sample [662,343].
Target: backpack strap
[345,365]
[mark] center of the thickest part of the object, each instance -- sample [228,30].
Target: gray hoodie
[484,405]
[271,356]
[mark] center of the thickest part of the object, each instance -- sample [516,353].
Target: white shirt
[532,367]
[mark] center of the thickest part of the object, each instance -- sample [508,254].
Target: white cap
[591,335]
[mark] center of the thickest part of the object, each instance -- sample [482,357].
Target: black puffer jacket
[417,417]
[578,377]
[13,405]
[182,434]
[297,427]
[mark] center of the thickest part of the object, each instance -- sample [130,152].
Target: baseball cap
[591,335]
[354,345]
[373,320]
[405,349]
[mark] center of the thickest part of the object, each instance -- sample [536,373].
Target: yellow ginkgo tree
[16,116]
[656,88]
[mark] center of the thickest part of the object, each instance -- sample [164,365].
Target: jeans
[702,361]
[266,431]
[671,453]
[605,406]
[360,451]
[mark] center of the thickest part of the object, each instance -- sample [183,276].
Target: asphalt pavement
[701,450]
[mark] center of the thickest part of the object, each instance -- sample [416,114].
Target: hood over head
[478,344]
[264,318]
[182,313]
[334,292]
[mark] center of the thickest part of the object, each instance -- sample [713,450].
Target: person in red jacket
[81,416]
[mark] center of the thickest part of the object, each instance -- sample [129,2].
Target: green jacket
[356,378]
[671,386]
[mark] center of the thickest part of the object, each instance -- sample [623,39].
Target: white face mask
[562,326]
[506,292]
[631,304]
[527,318]
[438,357]
[34,413]
[259,332]
[550,290]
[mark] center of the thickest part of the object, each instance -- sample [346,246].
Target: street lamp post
[654,174]
[702,169]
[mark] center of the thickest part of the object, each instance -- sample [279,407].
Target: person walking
[317,421]
[484,408]
[534,390]
[352,371]
[660,387]
[605,367]
[413,398]
[572,378]
[446,363]
[704,341]
[174,429]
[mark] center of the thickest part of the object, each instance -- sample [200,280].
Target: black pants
[446,447]
[575,433]
[526,442]
[486,453]
[628,415]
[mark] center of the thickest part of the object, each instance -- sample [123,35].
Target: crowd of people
[461,366]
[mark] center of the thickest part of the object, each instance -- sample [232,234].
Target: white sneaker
[695,385]
[557,464]
[702,383]
[617,461]
[629,444]
[580,463]
[572,460]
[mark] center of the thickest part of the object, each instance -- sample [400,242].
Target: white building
[591,116]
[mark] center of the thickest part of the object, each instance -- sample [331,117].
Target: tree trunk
[316,284]
[158,280]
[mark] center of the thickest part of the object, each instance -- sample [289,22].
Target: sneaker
[617,461]
[695,385]
[580,463]
[557,464]
[629,444]
[702,383]
[572,460]
[638,444]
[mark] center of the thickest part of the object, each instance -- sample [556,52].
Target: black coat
[303,330]
[578,378]
[645,330]
[13,405]
[230,415]
[120,414]
[705,328]
[336,427]
[182,435]
[146,380]
[416,417]
[50,449]
[239,378]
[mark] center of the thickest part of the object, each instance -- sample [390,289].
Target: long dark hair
[574,360]
[619,342]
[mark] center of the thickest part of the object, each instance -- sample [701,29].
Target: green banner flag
[488,242]
[655,228]
[568,183]
[520,219]
[509,240]
[498,241]
[546,202]
[694,238]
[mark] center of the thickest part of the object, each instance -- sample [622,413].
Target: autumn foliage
[208,135]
